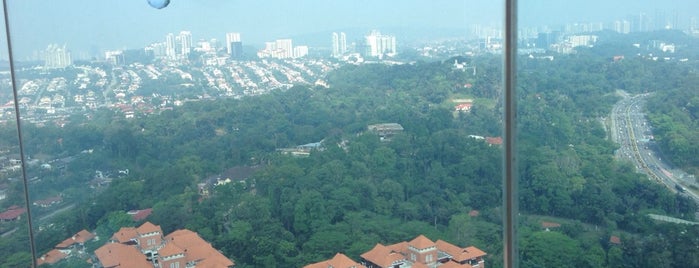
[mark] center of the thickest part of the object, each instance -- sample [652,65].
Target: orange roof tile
[493,140]
[197,249]
[421,242]
[66,243]
[401,247]
[472,253]
[125,234]
[148,227]
[547,224]
[170,250]
[615,240]
[215,261]
[382,256]
[451,264]
[51,257]
[338,261]
[185,238]
[120,255]
[83,236]
[459,254]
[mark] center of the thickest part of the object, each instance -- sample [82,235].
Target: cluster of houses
[74,245]
[420,252]
[143,246]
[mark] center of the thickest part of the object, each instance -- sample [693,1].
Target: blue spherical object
[158,3]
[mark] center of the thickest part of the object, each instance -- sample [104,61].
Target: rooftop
[338,261]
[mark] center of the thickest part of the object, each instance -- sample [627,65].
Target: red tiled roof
[148,227]
[338,261]
[382,256]
[12,213]
[493,140]
[51,257]
[125,234]
[474,213]
[459,254]
[84,236]
[120,255]
[451,264]
[421,242]
[615,240]
[142,214]
[197,249]
[169,250]
[547,224]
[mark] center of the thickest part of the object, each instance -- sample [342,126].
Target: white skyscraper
[57,57]
[285,49]
[170,44]
[336,45]
[379,45]
[339,44]
[185,42]
[300,51]
[343,43]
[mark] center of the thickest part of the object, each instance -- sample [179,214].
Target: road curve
[630,129]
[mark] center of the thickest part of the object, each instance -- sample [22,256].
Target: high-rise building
[170,44]
[57,57]
[234,46]
[343,43]
[185,43]
[284,48]
[336,45]
[300,51]
[379,45]
[339,44]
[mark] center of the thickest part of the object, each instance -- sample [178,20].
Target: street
[631,130]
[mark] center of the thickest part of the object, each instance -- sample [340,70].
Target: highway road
[631,130]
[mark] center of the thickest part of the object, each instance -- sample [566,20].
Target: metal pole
[510,178]
[19,134]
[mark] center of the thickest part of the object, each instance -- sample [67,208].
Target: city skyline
[74,23]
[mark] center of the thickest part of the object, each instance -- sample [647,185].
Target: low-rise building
[147,247]
[423,252]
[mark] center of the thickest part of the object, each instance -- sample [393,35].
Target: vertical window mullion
[509,176]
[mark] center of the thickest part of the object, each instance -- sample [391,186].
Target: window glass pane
[14,236]
[607,134]
[280,133]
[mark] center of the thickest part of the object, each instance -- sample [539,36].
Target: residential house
[64,249]
[493,140]
[48,202]
[180,249]
[51,257]
[139,215]
[463,107]
[385,130]
[198,252]
[77,241]
[12,213]
[423,252]
[122,256]
[338,261]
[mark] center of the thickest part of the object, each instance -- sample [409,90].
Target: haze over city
[100,26]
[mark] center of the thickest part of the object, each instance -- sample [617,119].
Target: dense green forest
[361,190]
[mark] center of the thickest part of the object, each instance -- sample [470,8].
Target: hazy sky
[116,24]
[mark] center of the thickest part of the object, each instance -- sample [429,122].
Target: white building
[57,57]
[379,45]
[300,51]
